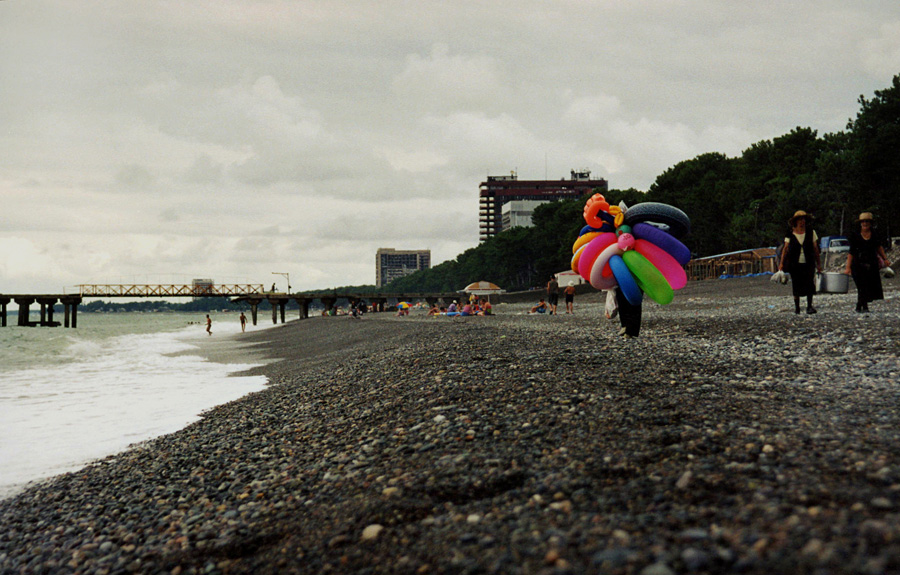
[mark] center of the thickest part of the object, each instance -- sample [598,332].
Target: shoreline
[732,435]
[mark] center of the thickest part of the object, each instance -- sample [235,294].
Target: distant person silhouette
[243,322]
[208,325]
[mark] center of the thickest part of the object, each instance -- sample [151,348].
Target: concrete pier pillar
[70,308]
[329,302]
[24,311]
[304,307]
[4,301]
[254,308]
[47,304]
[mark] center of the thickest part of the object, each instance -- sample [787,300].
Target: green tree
[876,136]
[702,189]
[734,203]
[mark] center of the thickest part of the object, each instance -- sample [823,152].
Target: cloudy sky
[150,142]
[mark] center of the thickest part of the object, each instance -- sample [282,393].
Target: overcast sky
[157,141]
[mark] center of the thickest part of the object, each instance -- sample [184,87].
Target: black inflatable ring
[675,221]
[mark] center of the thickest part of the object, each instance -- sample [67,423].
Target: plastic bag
[612,308]
[780,277]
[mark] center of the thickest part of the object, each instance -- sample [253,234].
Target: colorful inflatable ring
[626,282]
[591,251]
[583,239]
[594,209]
[665,263]
[576,258]
[675,220]
[663,240]
[601,276]
[648,278]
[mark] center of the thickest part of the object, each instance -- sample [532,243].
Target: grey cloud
[324,130]
[204,170]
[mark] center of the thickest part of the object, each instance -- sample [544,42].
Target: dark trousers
[629,315]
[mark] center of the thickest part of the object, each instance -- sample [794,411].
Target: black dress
[864,267]
[803,275]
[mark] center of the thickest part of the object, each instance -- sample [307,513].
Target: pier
[47,302]
[252,294]
[377,301]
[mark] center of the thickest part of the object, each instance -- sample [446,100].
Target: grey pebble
[728,437]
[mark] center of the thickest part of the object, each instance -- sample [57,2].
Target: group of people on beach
[550,306]
[243,320]
[474,307]
[629,315]
[801,258]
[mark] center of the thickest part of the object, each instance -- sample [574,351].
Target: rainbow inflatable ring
[637,249]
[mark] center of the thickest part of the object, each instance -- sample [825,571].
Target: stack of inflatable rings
[643,254]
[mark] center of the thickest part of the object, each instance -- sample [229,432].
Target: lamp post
[754,205]
[287,276]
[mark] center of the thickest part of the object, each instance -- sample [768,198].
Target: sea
[71,396]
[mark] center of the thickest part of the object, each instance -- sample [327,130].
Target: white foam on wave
[110,394]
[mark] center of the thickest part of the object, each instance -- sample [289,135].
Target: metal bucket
[832,282]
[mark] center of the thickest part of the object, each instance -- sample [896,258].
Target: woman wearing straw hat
[862,262]
[800,258]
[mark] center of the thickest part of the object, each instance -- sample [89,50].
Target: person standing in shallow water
[208,325]
[862,262]
[800,258]
[243,322]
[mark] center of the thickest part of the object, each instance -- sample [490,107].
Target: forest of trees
[205,304]
[734,203]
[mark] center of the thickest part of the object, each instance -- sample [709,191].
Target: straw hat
[799,214]
[866,216]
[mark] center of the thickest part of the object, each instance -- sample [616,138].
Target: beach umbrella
[482,288]
[403,305]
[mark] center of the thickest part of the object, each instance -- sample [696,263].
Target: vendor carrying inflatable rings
[632,251]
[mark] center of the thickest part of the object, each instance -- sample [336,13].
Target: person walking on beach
[208,325]
[863,264]
[629,316]
[243,322]
[552,294]
[570,297]
[800,258]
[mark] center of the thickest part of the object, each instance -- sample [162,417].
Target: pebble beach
[733,436]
